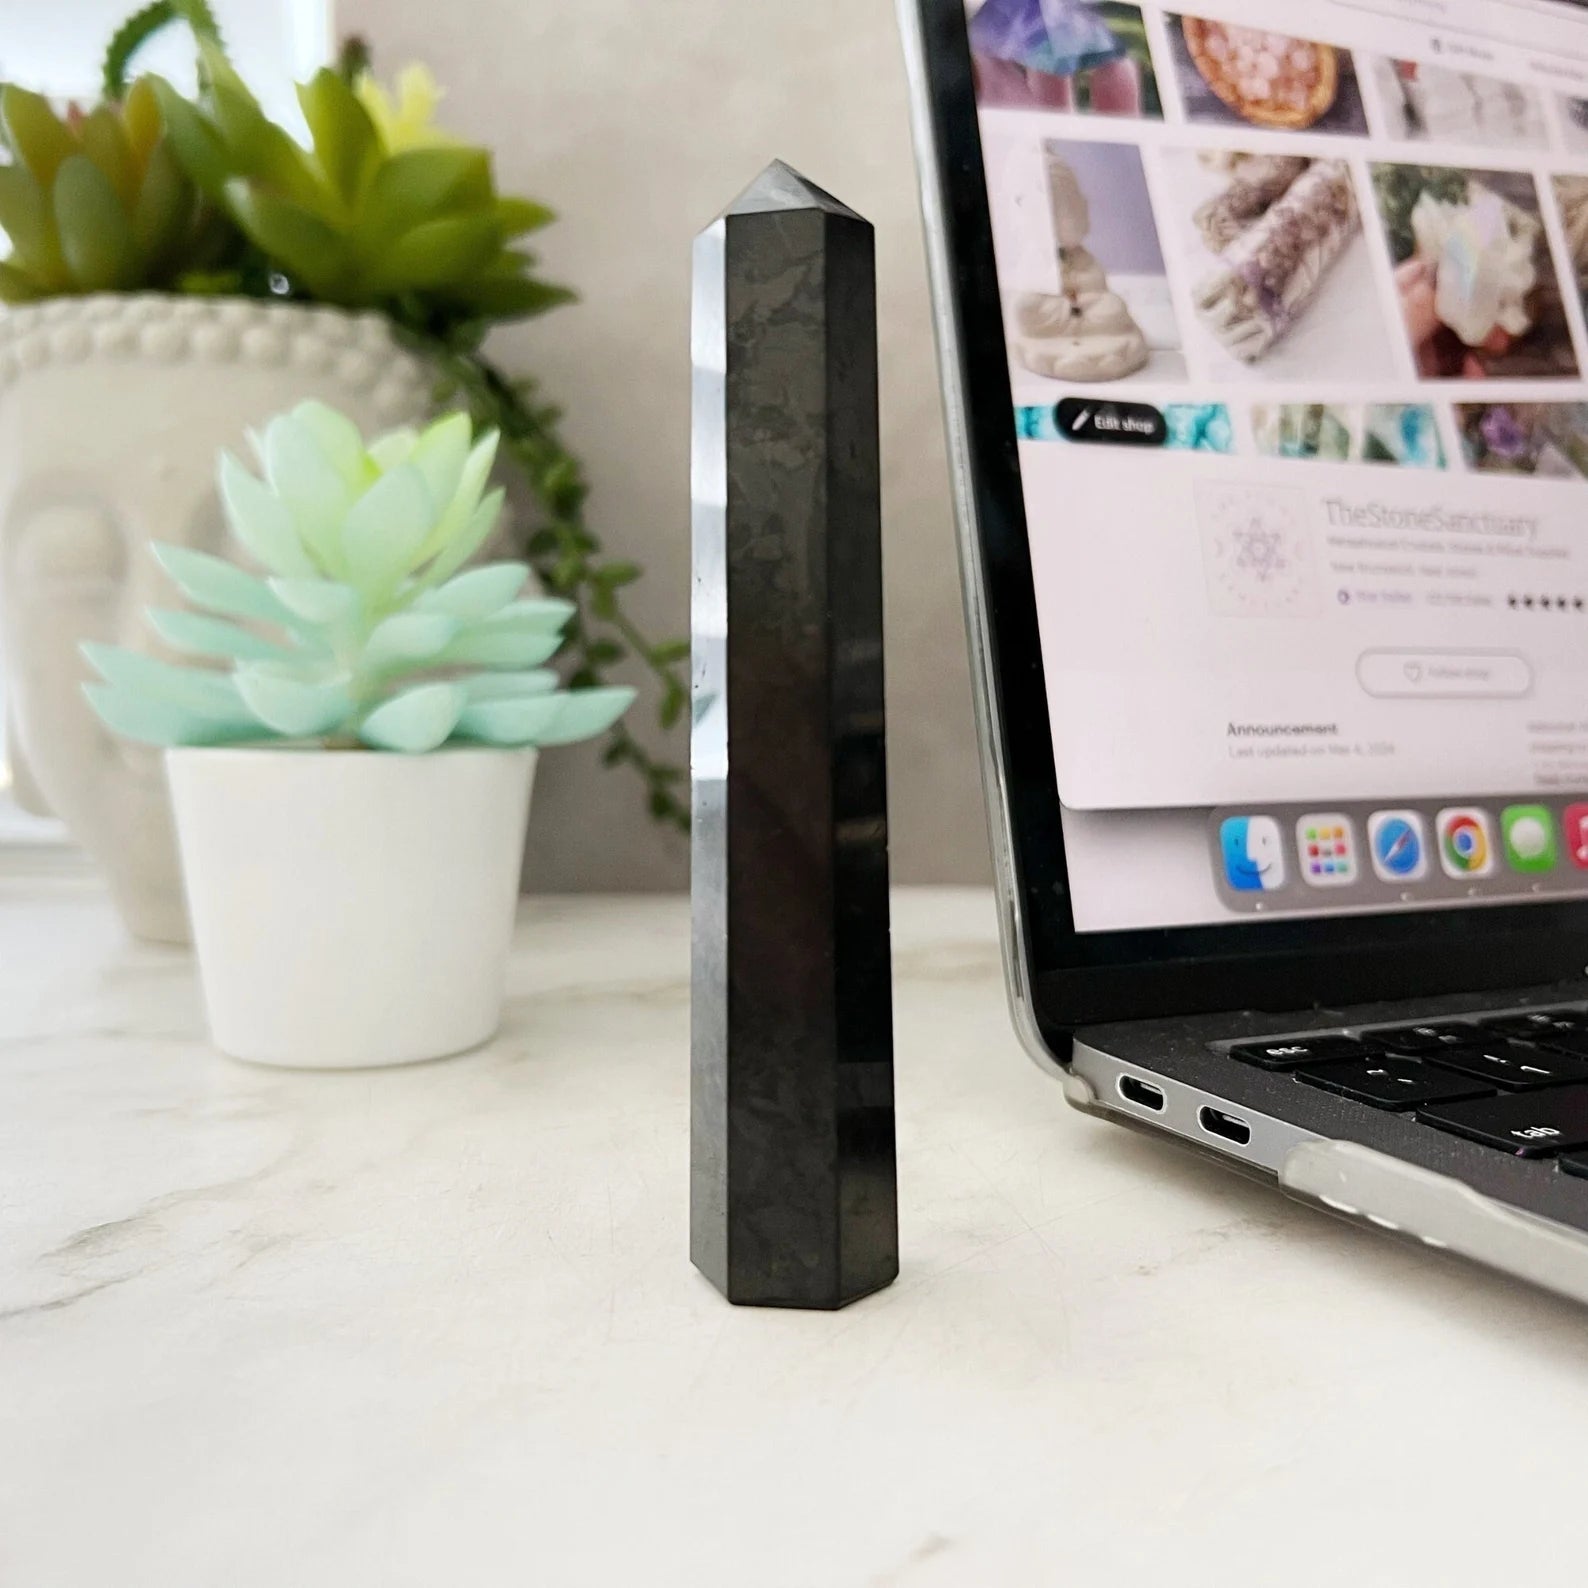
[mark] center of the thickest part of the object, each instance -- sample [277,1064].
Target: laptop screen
[1297,349]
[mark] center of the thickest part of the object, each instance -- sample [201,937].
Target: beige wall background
[638,120]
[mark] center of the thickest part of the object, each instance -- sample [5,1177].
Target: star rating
[1546,603]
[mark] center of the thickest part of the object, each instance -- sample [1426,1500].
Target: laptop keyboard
[1517,1083]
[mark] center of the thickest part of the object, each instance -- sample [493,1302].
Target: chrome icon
[1466,845]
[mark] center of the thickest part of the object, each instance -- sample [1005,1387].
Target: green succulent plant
[418,230]
[365,627]
[96,201]
[384,210]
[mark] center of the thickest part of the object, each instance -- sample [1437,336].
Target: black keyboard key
[1424,1039]
[1563,1042]
[1528,1124]
[1391,1082]
[1534,1025]
[1291,1051]
[1575,1163]
[1513,1066]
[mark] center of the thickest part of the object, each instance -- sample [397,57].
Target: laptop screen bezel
[1085,977]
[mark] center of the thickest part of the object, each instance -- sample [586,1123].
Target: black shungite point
[793,1198]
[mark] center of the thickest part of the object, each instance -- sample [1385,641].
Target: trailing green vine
[143,25]
[568,559]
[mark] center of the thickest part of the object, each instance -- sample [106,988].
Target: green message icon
[1529,834]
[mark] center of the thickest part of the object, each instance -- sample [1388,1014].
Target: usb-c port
[1142,1093]
[1217,1123]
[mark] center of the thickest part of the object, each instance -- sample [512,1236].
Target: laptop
[1263,343]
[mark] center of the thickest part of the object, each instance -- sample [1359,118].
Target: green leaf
[260,520]
[614,575]
[160,723]
[585,713]
[140,118]
[162,214]
[18,288]
[298,241]
[406,639]
[516,216]
[345,141]
[197,690]
[501,645]
[481,687]
[457,514]
[198,147]
[386,527]
[199,635]
[105,143]
[670,652]
[26,220]
[339,439]
[440,456]
[478,593]
[395,447]
[416,721]
[475,534]
[311,486]
[511,297]
[292,706]
[258,148]
[36,135]
[96,236]
[415,185]
[220,585]
[517,723]
[541,613]
[434,254]
[324,603]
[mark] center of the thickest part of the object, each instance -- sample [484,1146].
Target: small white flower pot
[112,409]
[351,908]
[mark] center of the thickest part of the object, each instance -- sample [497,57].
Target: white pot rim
[236,752]
[155,329]
[151,304]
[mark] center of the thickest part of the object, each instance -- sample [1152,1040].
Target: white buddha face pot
[112,411]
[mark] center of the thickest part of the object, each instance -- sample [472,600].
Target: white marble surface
[438,1326]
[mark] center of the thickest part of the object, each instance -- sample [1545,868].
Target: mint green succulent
[365,627]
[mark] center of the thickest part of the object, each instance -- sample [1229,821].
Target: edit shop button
[1112,423]
[1444,675]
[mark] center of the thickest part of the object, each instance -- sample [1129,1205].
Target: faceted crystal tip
[781,187]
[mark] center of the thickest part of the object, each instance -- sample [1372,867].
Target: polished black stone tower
[793,1198]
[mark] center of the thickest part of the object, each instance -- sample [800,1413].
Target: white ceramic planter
[112,410]
[351,908]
